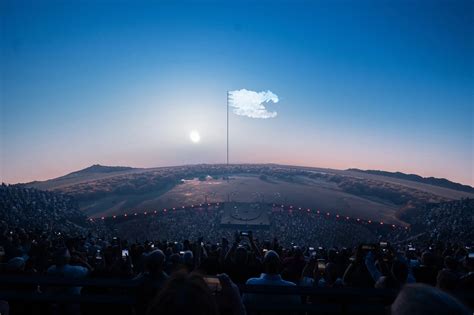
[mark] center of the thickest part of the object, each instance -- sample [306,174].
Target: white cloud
[251,103]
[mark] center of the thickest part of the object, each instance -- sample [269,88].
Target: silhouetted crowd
[32,208]
[298,227]
[452,220]
[188,264]
[230,262]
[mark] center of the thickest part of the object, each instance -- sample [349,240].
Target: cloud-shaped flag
[251,104]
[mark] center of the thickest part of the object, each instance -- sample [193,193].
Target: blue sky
[369,84]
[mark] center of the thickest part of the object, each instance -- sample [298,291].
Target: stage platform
[244,216]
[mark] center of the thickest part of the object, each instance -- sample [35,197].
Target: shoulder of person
[381,282]
[289,283]
[307,281]
[51,269]
[253,281]
[79,269]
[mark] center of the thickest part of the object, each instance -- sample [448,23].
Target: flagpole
[227,128]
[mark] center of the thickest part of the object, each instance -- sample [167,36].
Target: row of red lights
[217,204]
[155,211]
[337,216]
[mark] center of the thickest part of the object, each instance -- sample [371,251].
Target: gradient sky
[373,85]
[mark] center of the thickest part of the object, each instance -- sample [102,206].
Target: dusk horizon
[81,168]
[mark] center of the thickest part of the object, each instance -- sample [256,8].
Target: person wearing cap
[152,279]
[270,277]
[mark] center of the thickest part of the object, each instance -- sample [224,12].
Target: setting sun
[194,136]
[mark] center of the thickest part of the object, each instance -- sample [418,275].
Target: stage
[246,216]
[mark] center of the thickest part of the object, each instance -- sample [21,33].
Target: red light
[317,212]
[103,218]
[144,213]
[282,206]
[337,215]
[369,221]
[358,220]
[174,208]
[381,223]
[154,211]
[125,215]
[308,210]
[393,225]
[136,213]
[299,208]
[164,210]
[114,216]
[91,219]
[182,207]
[347,218]
[327,213]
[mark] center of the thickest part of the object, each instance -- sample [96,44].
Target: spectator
[448,278]
[62,268]
[242,262]
[184,294]
[270,277]
[397,277]
[152,279]
[466,282]
[356,274]
[427,271]
[189,294]
[293,266]
[423,299]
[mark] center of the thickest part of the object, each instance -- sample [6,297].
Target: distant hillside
[441,182]
[93,172]
[97,168]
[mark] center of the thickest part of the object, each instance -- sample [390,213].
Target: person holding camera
[243,261]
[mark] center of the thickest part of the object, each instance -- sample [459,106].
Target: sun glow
[194,136]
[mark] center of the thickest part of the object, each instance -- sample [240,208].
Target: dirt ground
[304,193]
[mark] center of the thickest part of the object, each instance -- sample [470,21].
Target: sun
[194,136]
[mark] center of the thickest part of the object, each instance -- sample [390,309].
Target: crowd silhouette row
[185,263]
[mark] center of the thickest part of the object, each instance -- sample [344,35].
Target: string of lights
[275,207]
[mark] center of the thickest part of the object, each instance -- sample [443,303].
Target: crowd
[185,263]
[32,208]
[452,220]
[297,226]
[160,265]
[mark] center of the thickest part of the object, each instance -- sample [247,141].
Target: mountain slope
[90,173]
[441,182]
[97,168]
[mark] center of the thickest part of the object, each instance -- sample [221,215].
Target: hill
[94,172]
[97,168]
[105,190]
[441,182]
